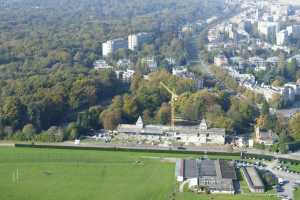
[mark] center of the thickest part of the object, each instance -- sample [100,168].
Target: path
[181,187]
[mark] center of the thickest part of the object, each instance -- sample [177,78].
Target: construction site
[170,134]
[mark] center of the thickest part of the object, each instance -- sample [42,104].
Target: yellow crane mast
[174,97]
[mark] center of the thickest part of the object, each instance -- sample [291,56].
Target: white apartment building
[111,46]
[101,64]
[220,60]
[294,31]
[279,12]
[257,63]
[214,35]
[289,91]
[136,41]
[281,37]
[268,29]
[125,75]
[150,62]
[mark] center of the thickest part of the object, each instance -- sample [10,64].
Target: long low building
[253,179]
[194,135]
[217,176]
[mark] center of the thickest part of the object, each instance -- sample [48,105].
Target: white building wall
[180,179]
[106,48]
[268,29]
[111,46]
[294,31]
[281,37]
[193,182]
[132,42]
[136,41]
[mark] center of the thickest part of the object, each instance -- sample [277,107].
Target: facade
[253,180]
[111,46]
[195,135]
[188,28]
[198,135]
[265,137]
[140,129]
[257,63]
[220,60]
[182,71]
[273,61]
[124,64]
[101,64]
[268,29]
[125,75]
[150,62]
[136,41]
[289,92]
[217,176]
[238,62]
[281,37]
[294,31]
[215,36]
[295,87]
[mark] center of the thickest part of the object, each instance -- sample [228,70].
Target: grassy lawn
[297,193]
[52,174]
[70,174]
[293,167]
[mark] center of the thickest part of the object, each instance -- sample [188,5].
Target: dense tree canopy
[47,50]
[294,126]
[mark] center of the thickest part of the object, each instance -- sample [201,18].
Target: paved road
[290,177]
[289,113]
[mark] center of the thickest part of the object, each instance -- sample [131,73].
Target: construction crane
[174,97]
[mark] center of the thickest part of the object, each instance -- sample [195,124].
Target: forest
[48,88]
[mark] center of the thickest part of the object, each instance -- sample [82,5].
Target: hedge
[173,151]
[287,160]
[258,156]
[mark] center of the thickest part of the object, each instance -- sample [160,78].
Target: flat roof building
[253,179]
[269,29]
[195,135]
[111,46]
[136,41]
[215,175]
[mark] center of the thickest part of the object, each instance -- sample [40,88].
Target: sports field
[38,174]
[50,174]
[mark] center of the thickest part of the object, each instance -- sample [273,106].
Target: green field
[297,194]
[73,174]
[50,174]
[293,167]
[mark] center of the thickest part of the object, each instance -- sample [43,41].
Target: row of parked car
[285,169]
[256,164]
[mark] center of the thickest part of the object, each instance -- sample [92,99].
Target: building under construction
[189,135]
